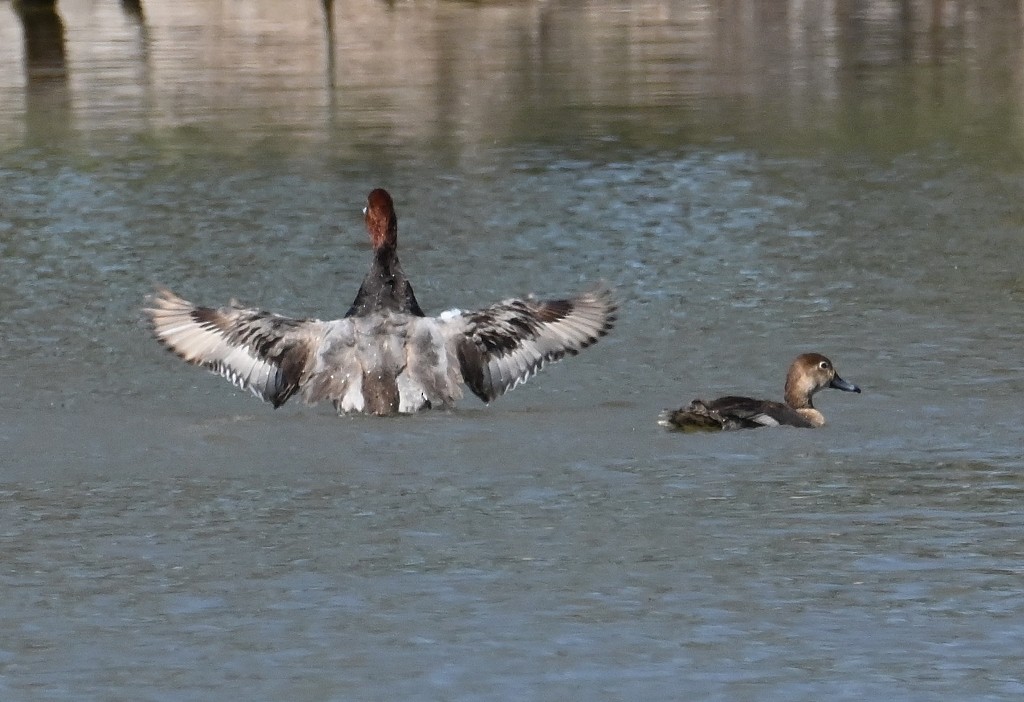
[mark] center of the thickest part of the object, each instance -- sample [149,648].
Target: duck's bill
[840,384]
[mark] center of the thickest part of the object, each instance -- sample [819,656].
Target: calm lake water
[754,182]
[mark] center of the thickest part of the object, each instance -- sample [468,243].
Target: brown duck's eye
[823,365]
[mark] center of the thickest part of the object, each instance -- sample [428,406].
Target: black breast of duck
[809,373]
[384,357]
[385,287]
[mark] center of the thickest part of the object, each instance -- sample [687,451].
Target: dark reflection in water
[44,41]
[328,6]
[792,75]
[48,101]
[140,38]
[133,9]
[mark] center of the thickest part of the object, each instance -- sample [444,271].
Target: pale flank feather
[765,420]
[431,364]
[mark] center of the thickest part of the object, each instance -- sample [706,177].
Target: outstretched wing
[503,345]
[258,351]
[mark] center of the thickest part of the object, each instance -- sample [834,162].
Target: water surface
[753,183]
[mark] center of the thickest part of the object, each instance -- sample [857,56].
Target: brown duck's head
[381,220]
[808,374]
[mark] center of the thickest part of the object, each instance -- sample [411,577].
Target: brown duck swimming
[808,374]
[384,356]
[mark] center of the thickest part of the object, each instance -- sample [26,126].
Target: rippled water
[753,182]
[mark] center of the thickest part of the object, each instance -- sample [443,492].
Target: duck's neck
[798,392]
[385,288]
[812,415]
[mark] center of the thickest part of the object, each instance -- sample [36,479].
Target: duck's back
[385,363]
[734,412]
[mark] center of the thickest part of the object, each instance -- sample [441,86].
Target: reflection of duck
[385,356]
[808,374]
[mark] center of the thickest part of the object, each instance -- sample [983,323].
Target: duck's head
[381,220]
[808,374]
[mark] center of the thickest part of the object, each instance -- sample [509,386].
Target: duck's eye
[365,209]
[823,365]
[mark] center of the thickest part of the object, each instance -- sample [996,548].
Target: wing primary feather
[264,353]
[507,343]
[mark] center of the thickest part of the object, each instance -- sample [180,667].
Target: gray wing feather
[258,351]
[501,346]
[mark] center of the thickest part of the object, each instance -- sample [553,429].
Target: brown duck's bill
[840,384]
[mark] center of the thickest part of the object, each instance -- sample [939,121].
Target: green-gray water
[754,183]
